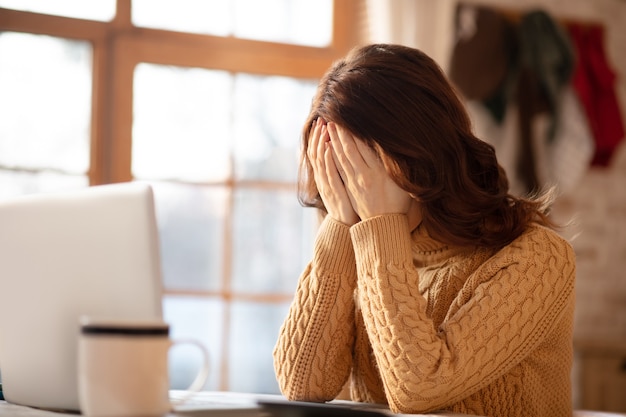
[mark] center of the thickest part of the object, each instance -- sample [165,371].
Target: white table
[222,403]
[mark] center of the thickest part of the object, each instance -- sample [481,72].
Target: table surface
[205,404]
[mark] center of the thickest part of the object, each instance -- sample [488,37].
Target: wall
[599,205]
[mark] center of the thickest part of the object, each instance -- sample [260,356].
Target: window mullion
[120,105]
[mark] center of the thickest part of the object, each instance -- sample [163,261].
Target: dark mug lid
[124,327]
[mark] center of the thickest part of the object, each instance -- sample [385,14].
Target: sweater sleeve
[519,295]
[313,354]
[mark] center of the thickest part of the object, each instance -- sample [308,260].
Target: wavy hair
[398,101]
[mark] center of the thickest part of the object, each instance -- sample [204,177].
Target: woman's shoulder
[541,235]
[540,244]
[539,254]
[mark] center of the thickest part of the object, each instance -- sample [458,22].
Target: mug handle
[202,375]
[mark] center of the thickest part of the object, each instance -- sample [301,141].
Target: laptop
[92,251]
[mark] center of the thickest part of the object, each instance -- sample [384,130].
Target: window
[298,22]
[207,106]
[102,10]
[46,85]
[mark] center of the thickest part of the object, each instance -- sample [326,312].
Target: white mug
[123,368]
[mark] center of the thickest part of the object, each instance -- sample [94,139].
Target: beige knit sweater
[423,326]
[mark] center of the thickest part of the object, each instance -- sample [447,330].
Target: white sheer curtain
[424,24]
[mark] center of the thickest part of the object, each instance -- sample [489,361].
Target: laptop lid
[93,251]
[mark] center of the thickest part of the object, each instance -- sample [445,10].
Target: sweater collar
[427,249]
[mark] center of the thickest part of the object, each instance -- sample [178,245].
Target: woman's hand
[329,184]
[370,189]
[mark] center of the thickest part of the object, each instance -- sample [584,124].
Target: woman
[431,287]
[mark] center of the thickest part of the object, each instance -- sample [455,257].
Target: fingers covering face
[352,154]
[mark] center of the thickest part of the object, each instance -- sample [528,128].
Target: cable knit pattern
[424,327]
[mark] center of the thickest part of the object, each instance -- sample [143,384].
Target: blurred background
[205,100]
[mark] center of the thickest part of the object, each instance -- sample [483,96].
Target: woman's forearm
[313,355]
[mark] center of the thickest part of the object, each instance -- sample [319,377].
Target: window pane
[196,318]
[102,10]
[272,240]
[181,123]
[18,183]
[195,16]
[191,228]
[301,22]
[45,102]
[268,117]
[254,332]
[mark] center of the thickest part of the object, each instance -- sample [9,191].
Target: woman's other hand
[329,183]
[370,189]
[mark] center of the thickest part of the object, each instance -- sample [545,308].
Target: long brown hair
[398,100]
